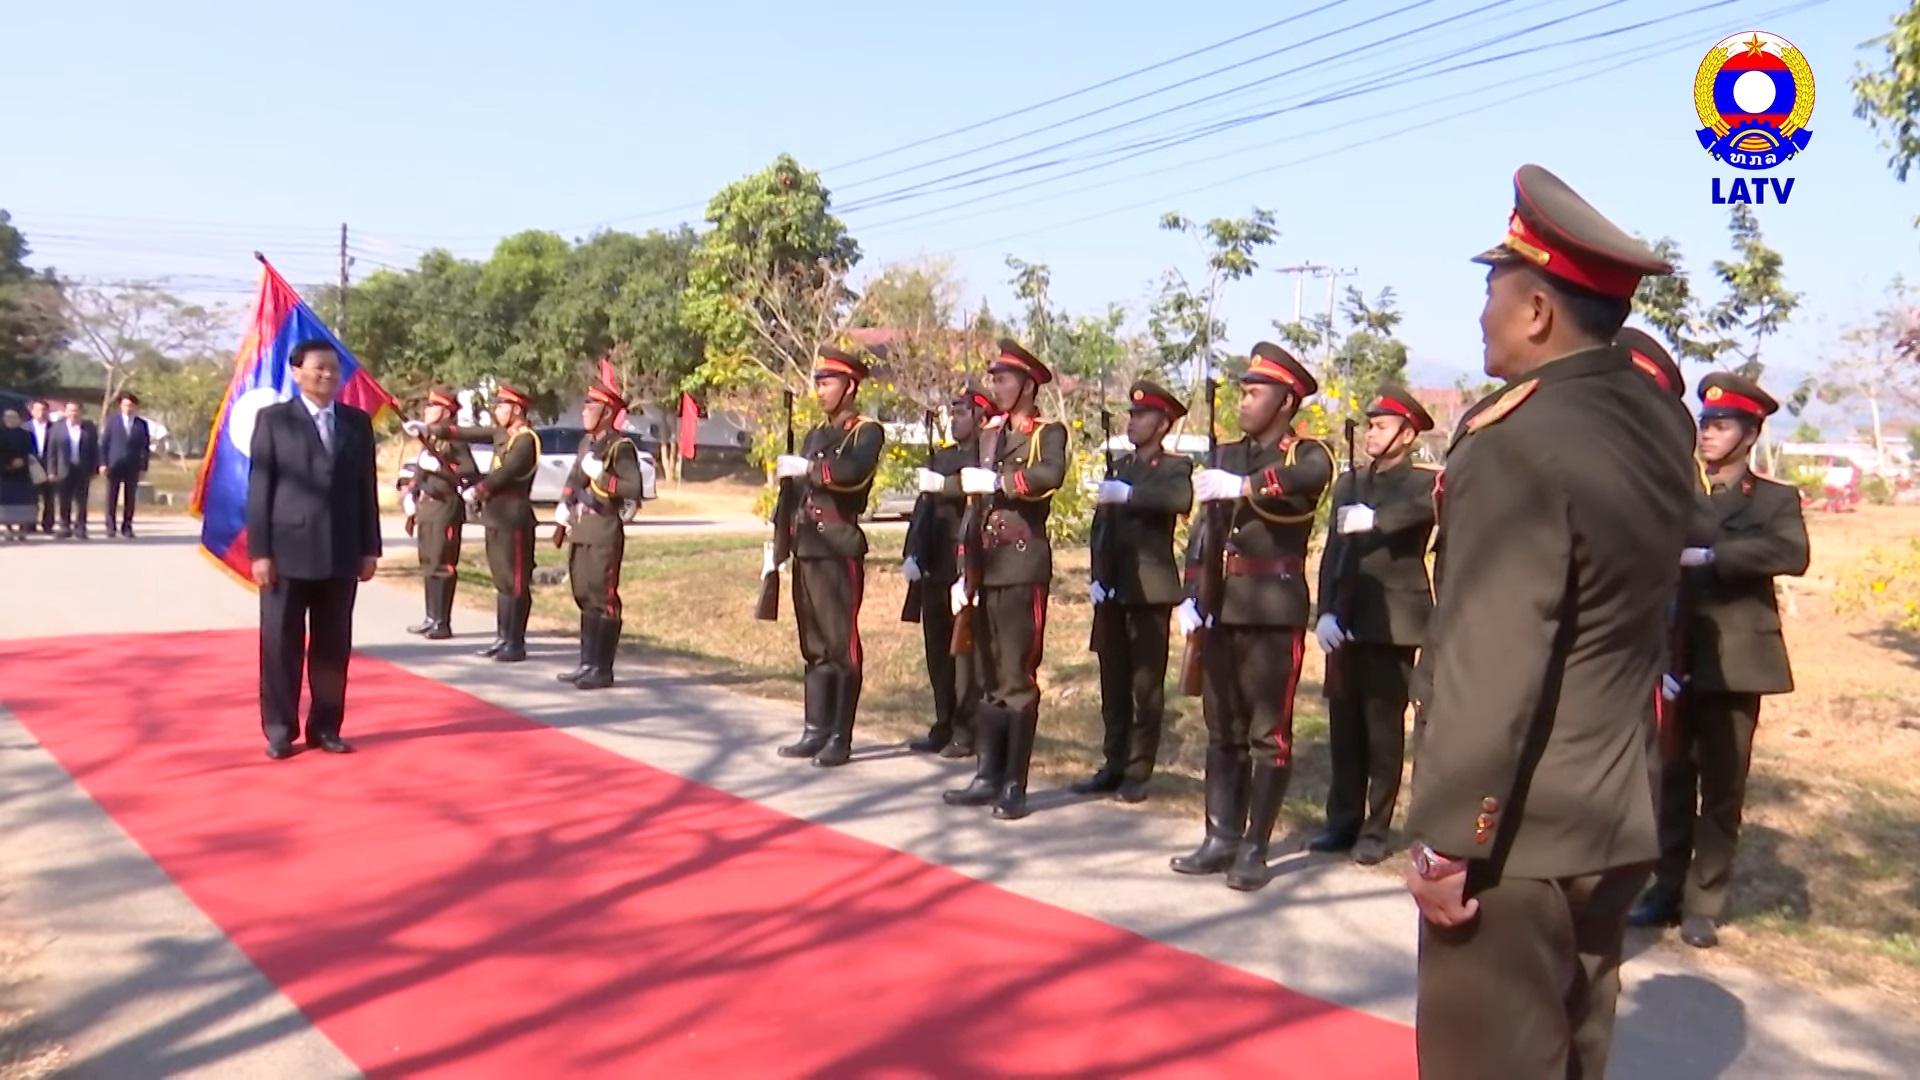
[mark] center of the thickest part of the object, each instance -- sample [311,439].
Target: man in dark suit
[1567,498]
[313,531]
[45,492]
[123,458]
[1732,655]
[71,461]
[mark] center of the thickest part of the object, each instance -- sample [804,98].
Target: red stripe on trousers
[1283,728]
[853,630]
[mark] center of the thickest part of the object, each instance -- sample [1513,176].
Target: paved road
[1323,928]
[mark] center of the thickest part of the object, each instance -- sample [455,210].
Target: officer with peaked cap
[1261,491]
[1734,655]
[1375,599]
[591,519]
[931,559]
[835,468]
[505,499]
[1567,499]
[1136,583]
[435,512]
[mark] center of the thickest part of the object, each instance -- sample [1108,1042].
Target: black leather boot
[515,649]
[846,699]
[440,596]
[588,624]
[1249,871]
[502,606]
[1013,789]
[991,741]
[1659,907]
[1226,816]
[426,623]
[606,642]
[1334,838]
[817,700]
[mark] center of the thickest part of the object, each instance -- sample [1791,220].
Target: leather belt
[821,517]
[1239,565]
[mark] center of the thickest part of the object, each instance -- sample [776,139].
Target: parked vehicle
[559,444]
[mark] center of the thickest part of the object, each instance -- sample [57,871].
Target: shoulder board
[1429,468]
[1508,402]
[996,421]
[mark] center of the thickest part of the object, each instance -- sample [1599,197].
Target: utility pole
[1333,280]
[340,303]
[1298,273]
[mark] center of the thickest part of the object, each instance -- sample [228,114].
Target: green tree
[618,297]
[1668,304]
[1368,354]
[1887,95]
[767,285]
[1184,320]
[1757,301]
[1872,366]
[185,393]
[33,327]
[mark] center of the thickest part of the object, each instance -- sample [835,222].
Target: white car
[558,446]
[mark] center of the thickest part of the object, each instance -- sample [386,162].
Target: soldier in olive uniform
[1133,525]
[592,518]
[1271,480]
[1022,462]
[503,497]
[932,540]
[1566,507]
[835,468]
[436,512]
[1734,655]
[1375,598]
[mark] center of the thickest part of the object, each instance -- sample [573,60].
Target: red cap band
[1268,368]
[1719,397]
[1396,408]
[1582,268]
[1151,401]
[830,366]
[443,401]
[512,397]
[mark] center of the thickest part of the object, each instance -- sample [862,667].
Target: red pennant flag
[612,379]
[689,424]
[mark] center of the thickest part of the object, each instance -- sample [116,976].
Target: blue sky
[174,139]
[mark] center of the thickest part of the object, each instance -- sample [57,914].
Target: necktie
[324,419]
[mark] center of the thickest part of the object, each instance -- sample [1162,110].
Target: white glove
[767,565]
[979,481]
[931,483]
[1696,557]
[563,515]
[910,569]
[592,467]
[790,466]
[414,428]
[472,495]
[426,462]
[1099,592]
[1213,485]
[1356,518]
[1329,633]
[1187,615]
[958,596]
[407,504]
[1113,491]
[1669,688]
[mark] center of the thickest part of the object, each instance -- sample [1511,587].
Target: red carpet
[476,895]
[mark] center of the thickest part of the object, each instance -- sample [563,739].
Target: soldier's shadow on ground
[1678,1025]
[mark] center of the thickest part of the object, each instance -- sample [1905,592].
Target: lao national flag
[261,377]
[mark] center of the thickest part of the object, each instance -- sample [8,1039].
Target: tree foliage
[1185,318]
[134,326]
[1887,95]
[1755,302]
[32,321]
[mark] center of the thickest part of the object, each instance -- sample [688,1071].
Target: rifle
[1341,678]
[1667,713]
[785,507]
[920,528]
[1215,522]
[1100,544]
[973,529]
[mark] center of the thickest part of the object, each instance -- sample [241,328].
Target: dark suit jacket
[124,453]
[61,459]
[316,515]
[1733,636]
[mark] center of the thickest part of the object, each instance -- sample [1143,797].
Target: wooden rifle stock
[1100,543]
[785,507]
[1341,678]
[1215,522]
[973,530]
[922,524]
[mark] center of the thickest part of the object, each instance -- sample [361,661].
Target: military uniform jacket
[596,502]
[1566,505]
[508,485]
[933,536]
[1392,595]
[1031,459]
[1266,582]
[1733,631]
[1142,563]
[845,455]
[454,468]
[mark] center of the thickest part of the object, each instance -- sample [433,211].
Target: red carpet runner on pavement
[477,895]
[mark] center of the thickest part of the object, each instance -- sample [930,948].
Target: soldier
[1375,598]
[930,550]
[1567,498]
[835,468]
[436,513]
[1022,462]
[1734,654]
[592,517]
[1650,357]
[1134,520]
[503,499]
[1272,480]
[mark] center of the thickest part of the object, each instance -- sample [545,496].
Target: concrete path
[131,969]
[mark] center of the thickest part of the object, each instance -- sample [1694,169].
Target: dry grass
[1826,892]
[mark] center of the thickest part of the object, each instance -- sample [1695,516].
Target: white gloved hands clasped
[1188,617]
[767,565]
[1113,491]
[473,495]
[427,462]
[592,466]
[1353,518]
[976,481]
[1214,485]
[415,428]
[790,466]
[408,504]
[1696,556]
[932,483]
[1329,633]
[910,569]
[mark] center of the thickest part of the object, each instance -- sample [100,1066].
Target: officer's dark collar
[1595,360]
